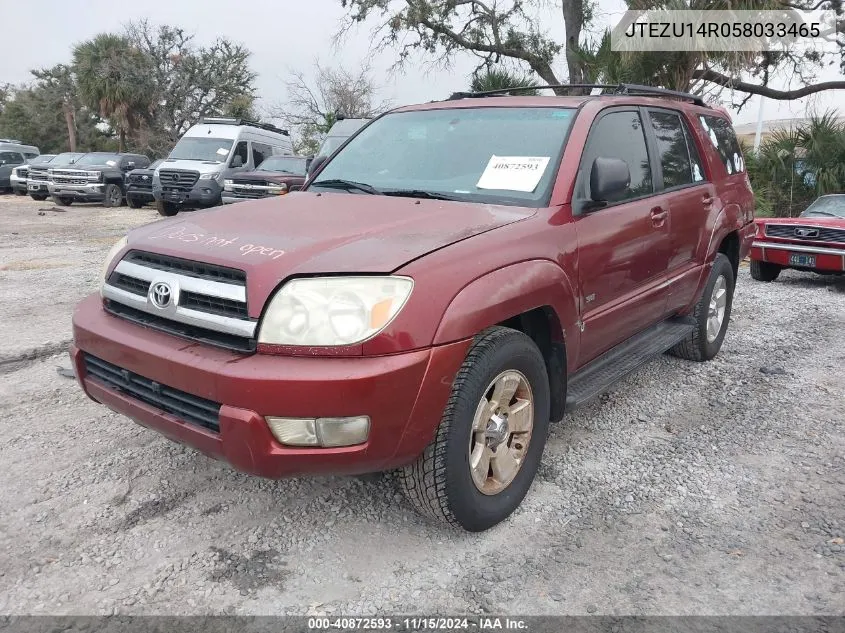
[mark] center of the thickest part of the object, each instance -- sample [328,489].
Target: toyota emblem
[801,232]
[161,295]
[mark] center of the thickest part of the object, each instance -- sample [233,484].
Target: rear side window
[618,135]
[679,158]
[11,158]
[722,136]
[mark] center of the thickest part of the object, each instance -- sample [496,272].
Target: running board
[601,374]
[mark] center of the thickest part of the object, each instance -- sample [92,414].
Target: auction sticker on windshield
[513,173]
[222,151]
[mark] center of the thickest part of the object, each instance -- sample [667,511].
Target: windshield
[330,144]
[98,159]
[43,158]
[65,159]
[284,165]
[206,149]
[826,206]
[486,154]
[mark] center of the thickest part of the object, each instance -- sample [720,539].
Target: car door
[689,196]
[623,244]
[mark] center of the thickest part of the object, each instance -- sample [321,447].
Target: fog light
[343,431]
[293,431]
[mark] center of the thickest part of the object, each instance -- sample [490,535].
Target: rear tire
[166,209]
[764,271]
[63,201]
[705,341]
[442,483]
[40,197]
[134,203]
[112,196]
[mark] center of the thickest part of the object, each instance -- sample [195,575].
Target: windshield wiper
[339,183]
[420,193]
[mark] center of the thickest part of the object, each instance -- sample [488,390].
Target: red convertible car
[814,241]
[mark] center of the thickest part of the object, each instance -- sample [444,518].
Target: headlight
[112,254]
[227,184]
[331,311]
[213,175]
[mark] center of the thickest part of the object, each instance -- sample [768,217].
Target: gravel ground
[714,488]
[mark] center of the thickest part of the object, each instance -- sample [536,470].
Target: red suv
[456,277]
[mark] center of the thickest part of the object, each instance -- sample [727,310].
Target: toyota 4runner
[456,277]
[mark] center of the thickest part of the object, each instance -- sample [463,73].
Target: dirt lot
[716,488]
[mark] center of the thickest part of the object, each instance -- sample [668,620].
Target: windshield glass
[284,165]
[66,158]
[486,154]
[826,206]
[98,159]
[207,149]
[330,144]
[40,160]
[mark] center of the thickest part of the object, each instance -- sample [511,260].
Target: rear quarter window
[719,134]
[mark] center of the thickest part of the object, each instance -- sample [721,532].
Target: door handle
[658,214]
[707,200]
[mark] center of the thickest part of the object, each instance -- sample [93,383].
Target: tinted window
[722,136]
[242,151]
[284,165]
[678,166]
[30,155]
[260,153]
[618,135]
[99,159]
[11,158]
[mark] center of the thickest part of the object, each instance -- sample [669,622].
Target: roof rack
[607,90]
[216,120]
[10,140]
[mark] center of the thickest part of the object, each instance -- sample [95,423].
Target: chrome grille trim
[191,284]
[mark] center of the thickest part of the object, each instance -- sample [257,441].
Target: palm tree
[114,80]
[493,78]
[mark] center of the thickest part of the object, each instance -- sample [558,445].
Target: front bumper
[403,394]
[204,193]
[139,194]
[86,193]
[38,186]
[827,258]
[17,184]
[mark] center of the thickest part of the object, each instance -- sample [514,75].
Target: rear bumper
[827,258]
[403,394]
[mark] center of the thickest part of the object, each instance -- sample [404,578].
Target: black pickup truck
[139,185]
[96,177]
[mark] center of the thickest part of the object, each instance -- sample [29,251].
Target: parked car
[18,178]
[38,176]
[273,177]
[139,185]
[12,154]
[812,242]
[210,152]
[94,177]
[337,136]
[453,279]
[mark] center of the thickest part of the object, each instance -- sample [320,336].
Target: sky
[285,35]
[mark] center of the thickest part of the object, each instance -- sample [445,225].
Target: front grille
[240,192]
[185,406]
[178,179]
[788,231]
[214,305]
[130,284]
[139,181]
[37,174]
[67,180]
[201,270]
[250,181]
[192,332]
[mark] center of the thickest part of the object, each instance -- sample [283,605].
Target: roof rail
[217,120]
[607,90]
[10,140]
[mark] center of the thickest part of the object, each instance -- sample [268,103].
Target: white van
[209,153]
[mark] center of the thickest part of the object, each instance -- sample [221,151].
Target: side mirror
[237,161]
[294,187]
[315,164]
[609,177]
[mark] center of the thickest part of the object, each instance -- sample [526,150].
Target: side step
[599,375]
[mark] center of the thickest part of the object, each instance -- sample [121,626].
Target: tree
[511,30]
[60,87]
[499,78]
[312,107]
[114,78]
[190,82]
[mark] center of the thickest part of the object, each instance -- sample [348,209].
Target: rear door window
[678,155]
[721,135]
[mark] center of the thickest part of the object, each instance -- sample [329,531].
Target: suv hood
[813,221]
[310,233]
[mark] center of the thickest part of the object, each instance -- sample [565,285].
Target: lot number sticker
[513,173]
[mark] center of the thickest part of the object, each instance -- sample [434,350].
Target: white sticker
[513,173]
[696,173]
[737,165]
[111,163]
[223,151]
[728,166]
[713,139]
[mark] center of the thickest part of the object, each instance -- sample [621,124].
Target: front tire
[63,201]
[487,449]
[112,196]
[712,314]
[134,203]
[764,271]
[166,209]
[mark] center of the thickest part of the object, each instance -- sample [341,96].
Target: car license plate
[796,259]
[33,187]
